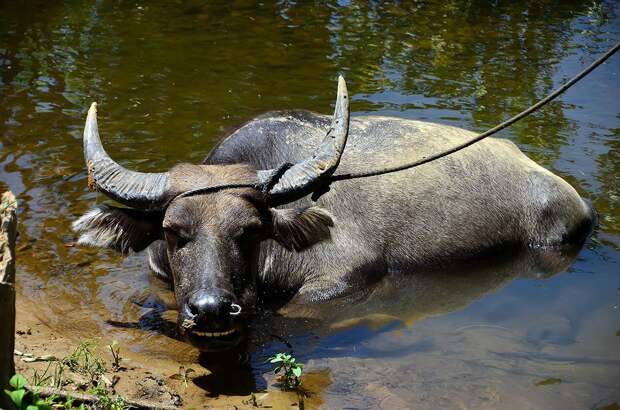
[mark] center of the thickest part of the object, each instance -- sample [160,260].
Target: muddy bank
[350,346]
[156,379]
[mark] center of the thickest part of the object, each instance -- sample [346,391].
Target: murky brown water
[172,76]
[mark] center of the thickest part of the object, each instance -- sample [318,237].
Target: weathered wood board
[8,233]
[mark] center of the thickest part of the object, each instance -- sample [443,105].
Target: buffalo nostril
[201,304]
[193,310]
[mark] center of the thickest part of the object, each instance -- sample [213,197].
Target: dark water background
[172,76]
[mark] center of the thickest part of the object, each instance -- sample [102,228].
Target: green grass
[83,361]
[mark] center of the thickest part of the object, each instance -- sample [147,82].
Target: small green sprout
[18,383]
[291,370]
[116,355]
[183,375]
[253,400]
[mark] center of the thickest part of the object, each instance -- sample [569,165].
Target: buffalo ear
[300,228]
[120,229]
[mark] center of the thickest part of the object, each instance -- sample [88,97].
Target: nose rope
[236,309]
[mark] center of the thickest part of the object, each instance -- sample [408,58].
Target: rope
[264,186]
[210,189]
[488,133]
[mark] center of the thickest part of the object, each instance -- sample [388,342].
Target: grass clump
[52,376]
[106,401]
[83,361]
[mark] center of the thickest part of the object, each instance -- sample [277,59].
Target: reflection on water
[173,76]
[397,303]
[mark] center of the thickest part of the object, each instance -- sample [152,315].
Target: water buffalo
[220,247]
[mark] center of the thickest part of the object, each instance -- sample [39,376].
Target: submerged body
[481,199]
[280,227]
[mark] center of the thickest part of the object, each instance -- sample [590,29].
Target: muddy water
[171,77]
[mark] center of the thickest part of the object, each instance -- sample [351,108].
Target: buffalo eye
[176,237]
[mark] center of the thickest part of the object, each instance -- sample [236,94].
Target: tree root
[92,399]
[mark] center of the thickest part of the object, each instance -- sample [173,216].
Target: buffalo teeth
[214,334]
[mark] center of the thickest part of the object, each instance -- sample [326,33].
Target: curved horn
[304,177]
[135,189]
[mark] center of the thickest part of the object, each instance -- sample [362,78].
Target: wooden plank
[8,234]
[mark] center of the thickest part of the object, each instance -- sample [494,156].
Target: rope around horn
[424,160]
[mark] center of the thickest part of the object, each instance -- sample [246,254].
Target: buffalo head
[203,238]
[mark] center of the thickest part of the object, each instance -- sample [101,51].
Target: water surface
[172,77]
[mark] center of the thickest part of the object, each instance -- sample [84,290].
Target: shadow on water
[231,374]
[398,302]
